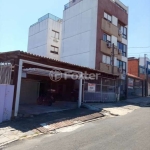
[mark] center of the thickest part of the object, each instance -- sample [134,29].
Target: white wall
[57,26]
[79,33]
[40,38]
[37,40]
[142,61]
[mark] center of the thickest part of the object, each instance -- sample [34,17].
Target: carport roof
[11,55]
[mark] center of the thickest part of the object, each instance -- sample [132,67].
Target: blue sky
[16,16]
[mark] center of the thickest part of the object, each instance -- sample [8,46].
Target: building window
[55,34]
[54,49]
[106,38]
[107,17]
[122,66]
[106,59]
[123,30]
[123,48]
[142,70]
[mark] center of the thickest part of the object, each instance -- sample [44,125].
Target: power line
[140,53]
[138,47]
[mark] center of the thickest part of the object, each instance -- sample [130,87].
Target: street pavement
[127,132]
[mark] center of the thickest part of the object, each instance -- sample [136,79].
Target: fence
[103,90]
[71,3]
[5,72]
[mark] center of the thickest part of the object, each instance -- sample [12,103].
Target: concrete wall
[40,38]
[79,33]
[56,26]
[37,40]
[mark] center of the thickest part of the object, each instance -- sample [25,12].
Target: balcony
[49,16]
[109,28]
[107,50]
[108,68]
[72,3]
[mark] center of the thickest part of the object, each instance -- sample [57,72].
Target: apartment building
[140,67]
[95,35]
[45,37]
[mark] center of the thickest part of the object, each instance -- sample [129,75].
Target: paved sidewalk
[119,108]
[141,101]
[23,128]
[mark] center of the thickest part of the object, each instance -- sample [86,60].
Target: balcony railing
[49,16]
[72,3]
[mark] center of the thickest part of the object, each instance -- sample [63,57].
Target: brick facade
[133,67]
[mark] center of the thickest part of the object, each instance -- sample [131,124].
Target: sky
[16,16]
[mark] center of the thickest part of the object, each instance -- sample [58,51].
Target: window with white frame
[106,59]
[107,17]
[106,38]
[54,49]
[55,34]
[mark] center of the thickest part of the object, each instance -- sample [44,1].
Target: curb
[5,143]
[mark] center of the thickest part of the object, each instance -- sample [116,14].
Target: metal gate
[103,90]
[5,72]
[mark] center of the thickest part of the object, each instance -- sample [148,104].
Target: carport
[44,73]
[30,73]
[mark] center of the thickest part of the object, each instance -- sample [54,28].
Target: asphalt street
[129,132]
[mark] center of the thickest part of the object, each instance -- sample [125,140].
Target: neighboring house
[90,28]
[135,86]
[140,67]
[45,37]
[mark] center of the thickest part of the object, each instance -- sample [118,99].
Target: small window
[107,17]
[54,49]
[106,38]
[106,59]
[55,34]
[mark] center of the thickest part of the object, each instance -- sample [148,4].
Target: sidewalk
[142,101]
[23,128]
[121,107]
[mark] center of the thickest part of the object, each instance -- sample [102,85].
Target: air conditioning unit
[119,51]
[120,70]
[120,32]
[109,45]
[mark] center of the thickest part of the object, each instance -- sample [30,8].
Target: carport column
[18,88]
[80,91]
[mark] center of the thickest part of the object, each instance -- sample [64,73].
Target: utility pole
[146,77]
[113,55]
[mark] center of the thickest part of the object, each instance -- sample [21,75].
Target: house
[34,77]
[140,67]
